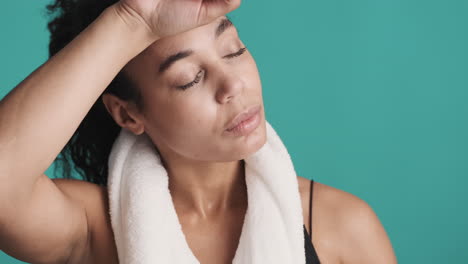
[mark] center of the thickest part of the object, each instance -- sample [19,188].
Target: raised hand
[169,17]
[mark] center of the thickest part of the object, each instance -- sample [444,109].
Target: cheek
[195,112]
[190,132]
[250,73]
[185,120]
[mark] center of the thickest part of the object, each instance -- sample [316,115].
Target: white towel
[146,226]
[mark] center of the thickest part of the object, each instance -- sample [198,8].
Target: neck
[207,189]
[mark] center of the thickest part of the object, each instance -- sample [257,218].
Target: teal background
[370,97]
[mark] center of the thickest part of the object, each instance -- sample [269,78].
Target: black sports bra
[310,253]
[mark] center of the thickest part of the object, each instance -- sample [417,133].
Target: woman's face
[192,85]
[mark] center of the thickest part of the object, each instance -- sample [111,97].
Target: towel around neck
[147,229]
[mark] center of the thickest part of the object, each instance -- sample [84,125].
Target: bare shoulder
[100,247]
[345,227]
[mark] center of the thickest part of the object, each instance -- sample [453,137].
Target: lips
[244,115]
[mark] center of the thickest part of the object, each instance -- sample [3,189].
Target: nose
[230,85]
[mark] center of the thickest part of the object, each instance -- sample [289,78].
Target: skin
[344,228]
[187,127]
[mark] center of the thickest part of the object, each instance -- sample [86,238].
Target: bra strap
[310,206]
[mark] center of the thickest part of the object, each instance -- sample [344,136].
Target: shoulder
[100,247]
[346,224]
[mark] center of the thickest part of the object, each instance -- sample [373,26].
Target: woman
[177,71]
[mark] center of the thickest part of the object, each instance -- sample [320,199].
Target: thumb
[212,9]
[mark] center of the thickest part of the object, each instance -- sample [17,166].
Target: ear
[124,113]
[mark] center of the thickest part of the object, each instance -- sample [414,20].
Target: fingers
[212,9]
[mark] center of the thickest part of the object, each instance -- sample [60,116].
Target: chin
[243,147]
[255,141]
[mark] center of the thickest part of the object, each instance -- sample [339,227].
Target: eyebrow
[224,24]
[173,58]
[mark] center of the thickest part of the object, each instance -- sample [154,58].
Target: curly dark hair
[88,149]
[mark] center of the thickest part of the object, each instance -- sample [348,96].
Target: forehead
[187,40]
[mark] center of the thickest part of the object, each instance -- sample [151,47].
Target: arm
[38,222]
[40,115]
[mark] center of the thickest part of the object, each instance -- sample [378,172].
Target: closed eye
[192,83]
[238,53]
[200,73]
